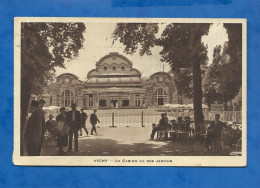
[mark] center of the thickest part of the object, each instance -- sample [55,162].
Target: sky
[98,43]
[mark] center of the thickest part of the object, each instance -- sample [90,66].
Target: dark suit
[93,120]
[214,132]
[84,117]
[74,127]
[161,127]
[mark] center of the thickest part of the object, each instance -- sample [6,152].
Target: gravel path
[129,142]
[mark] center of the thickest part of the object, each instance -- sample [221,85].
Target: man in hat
[74,122]
[214,133]
[161,126]
[84,117]
[34,129]
[93,120]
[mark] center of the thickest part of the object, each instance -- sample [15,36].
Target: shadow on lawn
[111,147]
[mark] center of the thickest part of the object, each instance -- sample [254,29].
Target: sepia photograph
[130,92]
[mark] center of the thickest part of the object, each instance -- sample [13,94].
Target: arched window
[160,96]
[67,98]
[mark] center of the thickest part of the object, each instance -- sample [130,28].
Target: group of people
[164,124]
[214,131]
[64,129]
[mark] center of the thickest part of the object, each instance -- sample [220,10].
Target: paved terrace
[132,141]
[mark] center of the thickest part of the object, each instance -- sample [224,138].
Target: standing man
[34,130]
[84,117]
[40,106]
[74,122]
[214,132]
[93,120]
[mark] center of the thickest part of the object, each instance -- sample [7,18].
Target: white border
[231,161]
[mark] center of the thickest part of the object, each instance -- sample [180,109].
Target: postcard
[130,92]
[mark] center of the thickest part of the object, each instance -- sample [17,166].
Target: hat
[41,101]
[62,108]
[95,109]
[34,103]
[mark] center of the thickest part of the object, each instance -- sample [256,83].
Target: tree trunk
[197,94]
[26,88]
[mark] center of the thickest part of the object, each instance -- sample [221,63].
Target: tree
[182,49]
[224,76]
[230,78]
[45,46]
[210,83]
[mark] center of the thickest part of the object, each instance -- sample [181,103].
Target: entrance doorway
[160,96]
[160,101]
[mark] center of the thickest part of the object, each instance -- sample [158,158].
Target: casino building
[114,83]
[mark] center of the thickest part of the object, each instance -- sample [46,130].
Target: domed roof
[67,74]
[114,55]
[114,80]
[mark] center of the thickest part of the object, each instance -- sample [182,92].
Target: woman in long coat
[62,138]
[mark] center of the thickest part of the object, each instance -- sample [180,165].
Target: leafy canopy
[181,48]
[224,76]
[181,45]
[45,46]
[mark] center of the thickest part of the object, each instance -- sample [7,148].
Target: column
[80,100]
[97,101]
[120,100]
[132,98]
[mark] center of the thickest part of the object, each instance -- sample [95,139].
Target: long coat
[94,119]
[77,124]
[34,129]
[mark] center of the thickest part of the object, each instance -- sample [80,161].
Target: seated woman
[174,125]
[163,123]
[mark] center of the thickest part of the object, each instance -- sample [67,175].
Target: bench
[162,134]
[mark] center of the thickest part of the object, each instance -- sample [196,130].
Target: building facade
[66,90]
[114,83]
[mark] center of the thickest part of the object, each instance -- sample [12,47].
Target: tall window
[137,100]
[67,98]
[102,101]
[160,96]
[125,101]
[90,100]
